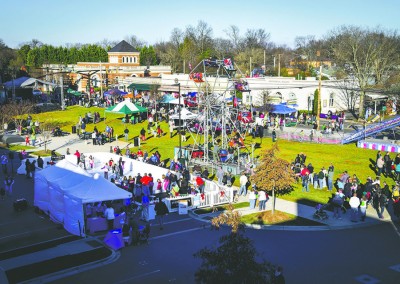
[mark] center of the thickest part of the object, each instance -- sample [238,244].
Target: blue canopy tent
[282,109]
[17,82]
[167,98]
[114,92]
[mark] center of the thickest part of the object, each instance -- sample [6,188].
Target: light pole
[179,110]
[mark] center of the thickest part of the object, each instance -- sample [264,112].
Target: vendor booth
[63,189]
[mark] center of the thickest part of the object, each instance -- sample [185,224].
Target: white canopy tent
[62,190]
[185,115]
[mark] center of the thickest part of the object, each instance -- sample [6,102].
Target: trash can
[73,129]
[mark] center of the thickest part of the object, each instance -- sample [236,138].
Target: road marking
[367,279]
[172,222]
[395,267]
[25,233]
[178,233]
[395,228]
[139,276]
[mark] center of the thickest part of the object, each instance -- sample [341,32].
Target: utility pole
[279,65]
[62,92]
[250,68]
[101,82]
[264,58]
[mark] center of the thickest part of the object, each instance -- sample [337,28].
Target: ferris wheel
[223,120]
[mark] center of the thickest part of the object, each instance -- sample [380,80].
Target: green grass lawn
[344,157]
[221,208]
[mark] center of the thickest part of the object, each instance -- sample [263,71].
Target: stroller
[320,214]
[143,235]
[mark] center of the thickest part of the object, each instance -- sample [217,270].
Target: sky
[62,22]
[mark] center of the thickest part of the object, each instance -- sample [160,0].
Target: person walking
[354,202]
[126,133]
[161,210]
[337,202]
[4,162]
[106,169]
[28,168]
[109,214]
[330,177]
[363,208]
[262,200]
[220,175]
[243,184]
[171,128]
[252,199]
[78,157]
[8,184]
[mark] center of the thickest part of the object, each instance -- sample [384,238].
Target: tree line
[369,56]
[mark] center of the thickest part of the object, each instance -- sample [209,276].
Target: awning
[73,92]
[374,97]
[173,88]
[32,81]
[141,87]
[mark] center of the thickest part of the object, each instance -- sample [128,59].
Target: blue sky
[59,22]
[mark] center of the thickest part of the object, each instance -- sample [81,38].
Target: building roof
[123,46]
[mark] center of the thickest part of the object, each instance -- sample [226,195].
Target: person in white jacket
[354,202]
[262,199]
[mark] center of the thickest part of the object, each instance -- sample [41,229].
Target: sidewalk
[73,142]
[307,212]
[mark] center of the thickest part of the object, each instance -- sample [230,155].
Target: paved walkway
[306,212]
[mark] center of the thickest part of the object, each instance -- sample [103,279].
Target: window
[134,59]
[130,59]
[331,100]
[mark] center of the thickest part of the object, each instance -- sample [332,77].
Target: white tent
[62,190]
[176,102]
[185,115]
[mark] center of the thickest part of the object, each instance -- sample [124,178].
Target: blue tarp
[17,82]
[114,92]
[282,109]
[167,98]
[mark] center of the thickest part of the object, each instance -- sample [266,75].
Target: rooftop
[123,46]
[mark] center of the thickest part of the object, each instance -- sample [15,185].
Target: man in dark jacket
[161,210]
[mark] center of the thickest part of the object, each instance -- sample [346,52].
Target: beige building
[123,65]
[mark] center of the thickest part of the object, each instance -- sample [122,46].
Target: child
[159,131]
[159,186]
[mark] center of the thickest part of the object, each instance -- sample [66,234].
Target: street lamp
[179,110]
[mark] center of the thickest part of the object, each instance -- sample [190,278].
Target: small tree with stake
[234,261]
[274,174]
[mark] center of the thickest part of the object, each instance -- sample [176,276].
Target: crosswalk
[372,279]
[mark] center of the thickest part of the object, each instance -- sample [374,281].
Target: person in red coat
[78,157]
[200,184]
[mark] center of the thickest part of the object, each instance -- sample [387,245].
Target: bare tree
[17,112]
[135,41]
[365,54]
[5,117]
[348,94]
[201,35]
[256,38]
[46,129]
[233,33]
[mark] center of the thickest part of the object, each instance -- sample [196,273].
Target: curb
[115,255]
[296,228]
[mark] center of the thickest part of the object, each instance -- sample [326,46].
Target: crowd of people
[349,192]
